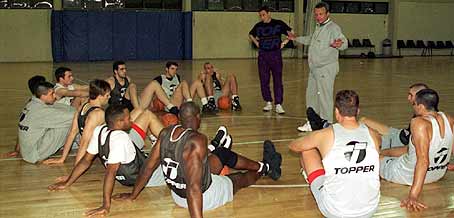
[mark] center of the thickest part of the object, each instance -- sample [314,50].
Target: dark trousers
[271,61]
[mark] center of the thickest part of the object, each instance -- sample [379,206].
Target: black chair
[411,44]
[421,44]
[431,45]
[349,43]
[440,45]
[356,43]
[449,44]
[400,45]
[368,44]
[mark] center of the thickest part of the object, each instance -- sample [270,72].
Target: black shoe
[272,159]
[222,139]
[236,106]
[174,110]
[212,104]
[315,120]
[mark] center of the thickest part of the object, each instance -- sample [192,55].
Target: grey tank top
[172,163]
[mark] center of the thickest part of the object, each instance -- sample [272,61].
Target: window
[358,7]
[116,4]
[242,5]
[26,4]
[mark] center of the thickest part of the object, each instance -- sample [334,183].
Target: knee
[183,83]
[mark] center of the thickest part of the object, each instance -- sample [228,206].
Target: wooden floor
[381,83]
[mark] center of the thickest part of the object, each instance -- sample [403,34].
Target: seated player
[43,125]
[84,121]
[215,86]
[192,174]
[426,158]
[66,91]
[342,162]
[120,153]
[124,90]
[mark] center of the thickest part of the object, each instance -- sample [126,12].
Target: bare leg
[230,86]
[150,122]
[239,180]
[131,94]
[179,95]
[197,89]
[185,90]
[311,161]
[377,126]
[153,88]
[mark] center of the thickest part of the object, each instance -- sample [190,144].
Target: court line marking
[238,143]
[280,186]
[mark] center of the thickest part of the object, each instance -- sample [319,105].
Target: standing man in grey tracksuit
[324,45]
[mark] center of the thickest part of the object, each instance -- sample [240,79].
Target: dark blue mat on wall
[121,35]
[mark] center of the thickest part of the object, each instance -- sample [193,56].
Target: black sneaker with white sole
[315,120]
[273,159]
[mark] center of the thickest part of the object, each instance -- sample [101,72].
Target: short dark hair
[34,81]
[264,8]
[42,88]
[429,98]
[419,86]
[113,113]
[188,111]
[60,73]
[347,102]
[116,64]
[171,63]
[322,5]
[98,87]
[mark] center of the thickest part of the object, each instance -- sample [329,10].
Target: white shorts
[392,139]
[219,193]
[391,171]
[157,178]
[320,194]
[137,135]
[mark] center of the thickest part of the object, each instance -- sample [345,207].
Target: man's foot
[222,139]
[268,106]
[272,160]
[279,109]
[212,105]
[306,127]
[236,104]
[315,121]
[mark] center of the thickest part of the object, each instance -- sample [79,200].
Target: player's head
[64,76]
[346,104]
[208,67]
[264,14]
[321,12]
[119,69]
[171,68]
[117,117]
[426,100]
[99,89]
[34,81]
[189,115]
[413,89]
[45,92]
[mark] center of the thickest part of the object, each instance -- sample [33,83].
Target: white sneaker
[268,106]
[305,128]
[279,109]
[153,139]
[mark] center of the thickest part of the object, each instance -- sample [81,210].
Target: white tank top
[352,181]
[439,154]
[169,86]
[64,99]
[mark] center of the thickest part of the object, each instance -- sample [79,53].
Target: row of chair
[426,48]
[366,43]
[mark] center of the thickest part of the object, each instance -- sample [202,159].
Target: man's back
[173,143]
[352,183]
[440,148]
